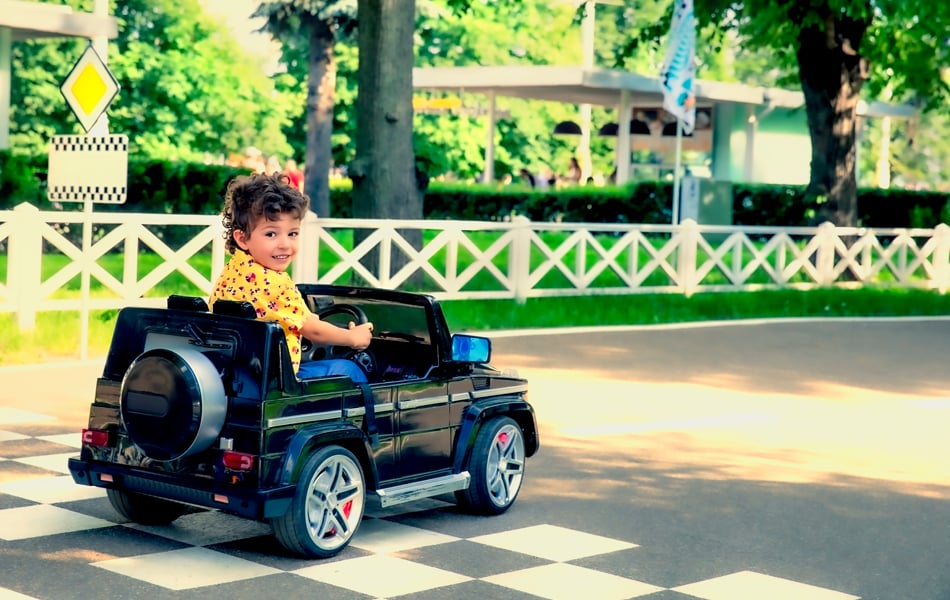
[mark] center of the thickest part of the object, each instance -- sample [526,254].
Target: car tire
[327,507]
[145,510]
[496,467]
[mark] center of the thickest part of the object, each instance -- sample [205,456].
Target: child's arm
[321,332]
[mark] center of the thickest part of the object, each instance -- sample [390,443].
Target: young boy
[262,215]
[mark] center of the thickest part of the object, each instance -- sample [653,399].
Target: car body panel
[411,427]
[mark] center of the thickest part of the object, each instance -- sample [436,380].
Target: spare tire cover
[173,403]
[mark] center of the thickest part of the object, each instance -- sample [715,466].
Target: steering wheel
[355,312]
[365,359]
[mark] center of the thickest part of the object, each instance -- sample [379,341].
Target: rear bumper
[249,503]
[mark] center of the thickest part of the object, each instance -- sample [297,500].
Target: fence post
[519,263]
[218,252]
[688,234]
[25,257]
[825,257]
[308,257]
[941,258]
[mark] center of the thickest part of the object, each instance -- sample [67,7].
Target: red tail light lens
[237,461]
[96,437]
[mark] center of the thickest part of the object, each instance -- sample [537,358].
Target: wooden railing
[516,259]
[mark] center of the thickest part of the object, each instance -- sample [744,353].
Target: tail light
[237,461]
[96,437]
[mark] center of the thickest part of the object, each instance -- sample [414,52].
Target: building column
[488,174]
[751,125]
[584,110]
[624,114]
[6,82]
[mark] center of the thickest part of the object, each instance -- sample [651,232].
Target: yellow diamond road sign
[89,88]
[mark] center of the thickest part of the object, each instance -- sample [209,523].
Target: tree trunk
[832,73]
[321,96]
[384,170]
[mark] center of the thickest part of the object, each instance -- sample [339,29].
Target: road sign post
[88,169]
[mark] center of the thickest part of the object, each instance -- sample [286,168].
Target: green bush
[183,188]
[18,181]
[902,208]
[180,188]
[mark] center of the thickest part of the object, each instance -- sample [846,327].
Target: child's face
[272,244]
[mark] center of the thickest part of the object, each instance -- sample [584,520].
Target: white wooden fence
[515,259]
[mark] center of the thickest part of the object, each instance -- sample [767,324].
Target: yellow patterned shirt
[272,293]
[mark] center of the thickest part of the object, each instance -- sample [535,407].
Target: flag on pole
[679,66]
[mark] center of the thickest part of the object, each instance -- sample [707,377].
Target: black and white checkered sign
[88,168]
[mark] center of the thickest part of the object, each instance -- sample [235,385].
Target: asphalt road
[812,451]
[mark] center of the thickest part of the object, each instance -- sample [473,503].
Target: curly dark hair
[250,197]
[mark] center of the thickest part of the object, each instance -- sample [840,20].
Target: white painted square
[381,576]
[552,542]
[186,569]
[10,416]
[73,440]
[379,536]
[207,528]
[6,594]
[39,520]
[51,490]
[561,581]
[50,462]
[9,436]
[749,584]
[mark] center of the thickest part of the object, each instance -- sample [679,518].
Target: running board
[423,489]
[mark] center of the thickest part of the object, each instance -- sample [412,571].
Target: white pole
[86,269]
[100,44]
[676,172]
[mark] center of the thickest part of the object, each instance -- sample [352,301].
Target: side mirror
[470,348]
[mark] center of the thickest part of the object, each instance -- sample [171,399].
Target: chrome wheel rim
[335,499]
[505,465]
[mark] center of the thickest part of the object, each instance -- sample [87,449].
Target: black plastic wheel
[496,466]
[327,508]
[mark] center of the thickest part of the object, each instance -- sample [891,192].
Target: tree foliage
[190,92]
[187,90]
[311,28]
[836,47]
[452,143]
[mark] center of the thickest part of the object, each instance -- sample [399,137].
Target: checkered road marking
[425,549]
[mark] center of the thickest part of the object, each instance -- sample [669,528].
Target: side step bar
[423,489]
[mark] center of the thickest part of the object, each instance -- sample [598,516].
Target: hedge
[166,187]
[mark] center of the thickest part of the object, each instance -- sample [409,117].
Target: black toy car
[199,408]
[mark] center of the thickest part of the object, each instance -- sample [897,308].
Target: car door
[424,438]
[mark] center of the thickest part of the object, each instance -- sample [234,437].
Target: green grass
[648,309]
[56,336]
